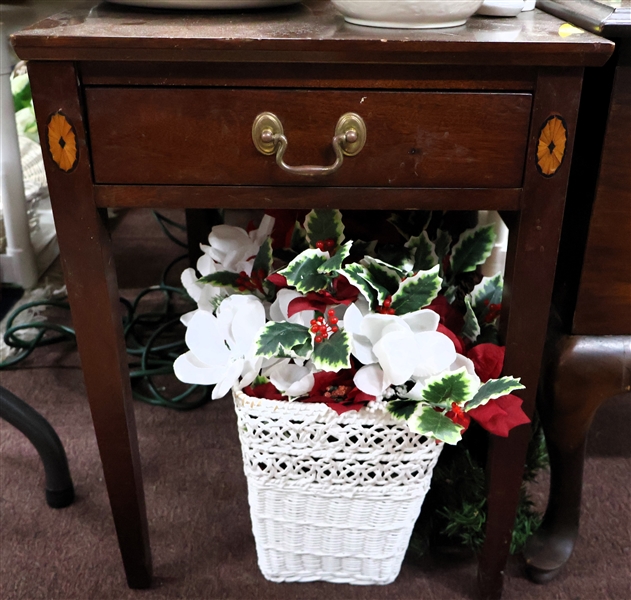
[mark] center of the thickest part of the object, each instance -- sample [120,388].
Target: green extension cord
[142,331]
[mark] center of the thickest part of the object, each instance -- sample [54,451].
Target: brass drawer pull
[269,138]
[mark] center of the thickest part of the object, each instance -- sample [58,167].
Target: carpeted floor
[196,496]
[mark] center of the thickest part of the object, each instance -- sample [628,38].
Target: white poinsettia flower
[370,380]
[404,347]
[232,248]
[361,346]
[280,307]
[222,345]
[290,379]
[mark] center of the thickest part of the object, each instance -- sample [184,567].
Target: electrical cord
[152,337]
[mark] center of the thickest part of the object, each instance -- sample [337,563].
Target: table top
[311,31]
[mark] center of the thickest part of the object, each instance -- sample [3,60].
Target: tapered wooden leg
[583,372]
[88,266]
[531,261]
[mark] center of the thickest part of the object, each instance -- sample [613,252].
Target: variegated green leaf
[356,274]
[424,253]
[222,279]
[409,223]
[334,264]
[299,241]
[494,388]
[488,291]
[281,339]
[416,292]
[382,275]
[442,244]
[323,224]
[432,423]
[302,271]
[402,408]
[471,327]
[472,249]
[333,353]
[263,259]
[445,389]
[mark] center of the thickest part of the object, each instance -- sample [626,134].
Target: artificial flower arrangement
[338,325]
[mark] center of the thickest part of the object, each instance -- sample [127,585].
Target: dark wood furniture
[162,105]
[588,357]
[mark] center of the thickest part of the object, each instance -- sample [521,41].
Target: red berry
[391,311]
[313,321]
[243,274]
[330,243]
[318,339]
[331,312]
[320,245]
[387,302]
[333,320]
[315,329]
[320,319]
[325,335]
[322,328]
[242,288]
[335,329]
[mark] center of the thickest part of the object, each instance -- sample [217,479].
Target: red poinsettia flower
[337,391]
[488,360]
[264,390]
[450,316]
[343,293]
[280,281]
[499,416]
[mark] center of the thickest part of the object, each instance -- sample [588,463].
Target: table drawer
[204,137]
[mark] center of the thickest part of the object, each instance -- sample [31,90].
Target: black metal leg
[59,488]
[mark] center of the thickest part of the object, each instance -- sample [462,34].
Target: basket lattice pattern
[332,497]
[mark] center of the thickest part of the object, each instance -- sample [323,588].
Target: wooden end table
[155,109]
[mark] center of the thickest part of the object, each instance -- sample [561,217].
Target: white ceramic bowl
[407,14]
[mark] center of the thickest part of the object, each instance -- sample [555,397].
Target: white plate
[204,4]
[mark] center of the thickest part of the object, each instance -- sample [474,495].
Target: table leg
[90,277]
[531,261]
[583,372]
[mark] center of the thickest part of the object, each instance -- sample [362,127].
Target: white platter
[204,4]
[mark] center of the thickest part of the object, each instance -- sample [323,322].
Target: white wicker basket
[332,497]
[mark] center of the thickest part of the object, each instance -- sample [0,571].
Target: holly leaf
[263,260]
[431,423]
[298,241]
[416,292]
[443,390]
[402,409]
[382,275]
[356,274]
[423,251]
[302,272]
[282,340]
[472,249]
[471,328]
[494,388]
[334,264]
[488,291]
[334,353]
[222,279]
[442,244]
[409,223]
[323,224]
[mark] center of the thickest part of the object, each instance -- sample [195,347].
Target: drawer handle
[269,138]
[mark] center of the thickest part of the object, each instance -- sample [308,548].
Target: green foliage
[423,252]
[471,328]
[222,279]
[442,244]
[298,241]
[21,90]
[494,388]
[357,275]
[410,223]
[381,276]
[334,264]
[263,260]
[432,423]
[283,340]
[443,390]
[488,291]
[472,249]
[416,292]
[334,353]
[302,272]
[402,408]
[324,224]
